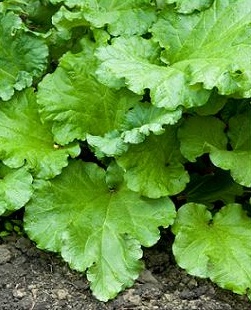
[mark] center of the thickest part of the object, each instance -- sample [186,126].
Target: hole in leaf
[239,72]
[147,35]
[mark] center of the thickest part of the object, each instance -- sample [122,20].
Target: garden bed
[35,280]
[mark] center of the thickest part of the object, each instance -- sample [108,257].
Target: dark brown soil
[34,280]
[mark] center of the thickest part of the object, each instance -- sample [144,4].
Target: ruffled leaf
[144,119]
[154,168]
[134,62]
[189,6]
[215,247]
[94,227]
[25,140]
[23,56]
[15,188]
[77,103]
[121,18]
[198,133]
[237,160]
[139,122]
[65,21]
[211,47]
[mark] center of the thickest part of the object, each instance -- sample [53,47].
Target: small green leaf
[238,159]
[121,18]
[24,139]
[154,168]
[214,104]
[94,227]
[111,144]
[144,119]
[198,133]
[4,234]
[238,162]
[23,56]
[15,188]
[215,247]
[139,122]
[65,21]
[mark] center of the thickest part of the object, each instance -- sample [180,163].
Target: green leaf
[238,162]
[139,122]
[239,158]
[114,176]
[65,20]
[24,139]
[154,168]
[215,247]
[15,188]
[214,104]
[36,14]
[77,103]
[69,3]
[198,133]
[212,187]
[189,6]
[144,119]
[23,56]
[134,62]
[111,144]
[12,5]
[210,47]
[94,227]
[128,59]
[121,18]
[234,107]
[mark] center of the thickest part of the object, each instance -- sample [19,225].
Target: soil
[31,279]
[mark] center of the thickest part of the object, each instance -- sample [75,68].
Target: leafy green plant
[117,119]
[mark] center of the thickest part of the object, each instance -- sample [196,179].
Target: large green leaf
[237,160]
[77,103]
[121,18]
[134,62]
[154,168]
[203,51]
[215,247]
[23,56]
[198,133]
[24,139]
[15,188]
[211,47]
[96,227]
